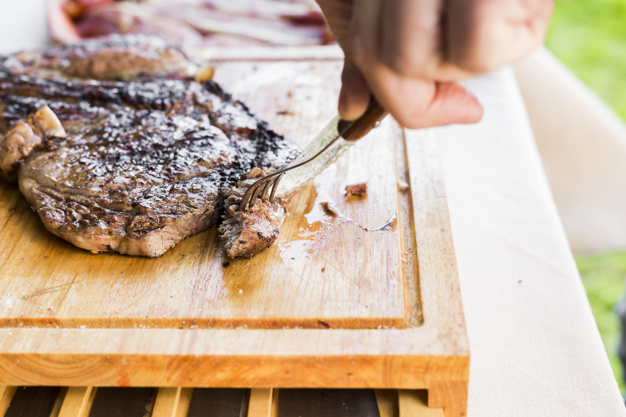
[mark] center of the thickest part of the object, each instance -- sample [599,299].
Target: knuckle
[478,56]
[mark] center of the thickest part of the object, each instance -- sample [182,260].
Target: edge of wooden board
[234,371]
[432,353]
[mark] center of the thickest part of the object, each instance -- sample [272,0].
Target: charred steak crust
[143,163]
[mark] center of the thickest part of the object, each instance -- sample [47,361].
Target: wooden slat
[274,409]
[172,402]
[387,400]
[6,395]
[450,395]
[123,402]
[260,403]
[223,402]
[33,401]
[327,402]
[412,403]
[56,408]
[77,402]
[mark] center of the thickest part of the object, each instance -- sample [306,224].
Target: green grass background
[589,36]
[603,278]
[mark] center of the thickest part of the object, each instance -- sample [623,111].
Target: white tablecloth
[535,348]
[582,144]
[22,25]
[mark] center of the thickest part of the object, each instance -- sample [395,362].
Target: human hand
[410,53]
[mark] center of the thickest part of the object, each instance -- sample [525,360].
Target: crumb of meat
[46,123]
[246,233]
[24,137]
[356,190]
[14,147]
[329,208]
[402,186]
[254,174]
[204,74]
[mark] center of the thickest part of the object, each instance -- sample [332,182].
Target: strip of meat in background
[190,23]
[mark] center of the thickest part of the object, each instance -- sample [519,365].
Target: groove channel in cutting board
[323,272]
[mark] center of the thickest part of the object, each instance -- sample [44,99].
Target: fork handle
[356,129]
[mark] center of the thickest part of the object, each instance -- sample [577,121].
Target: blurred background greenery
[603,278]
[589,36]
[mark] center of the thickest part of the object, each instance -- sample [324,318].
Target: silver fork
[265,187]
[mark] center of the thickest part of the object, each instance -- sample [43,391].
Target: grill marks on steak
[144,163]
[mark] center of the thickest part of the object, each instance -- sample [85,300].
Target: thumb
[355,94]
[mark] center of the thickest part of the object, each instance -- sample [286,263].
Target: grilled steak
[135,161]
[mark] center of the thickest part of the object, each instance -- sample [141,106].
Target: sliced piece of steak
[246,233]
[130,166]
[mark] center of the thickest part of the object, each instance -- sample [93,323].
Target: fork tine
[243,206]
[248,201]
[266,188]
[257,189]
[260,189]
[275,186]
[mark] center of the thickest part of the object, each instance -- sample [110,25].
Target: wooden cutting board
[367,298]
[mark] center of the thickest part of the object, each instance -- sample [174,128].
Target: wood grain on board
[366,299]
